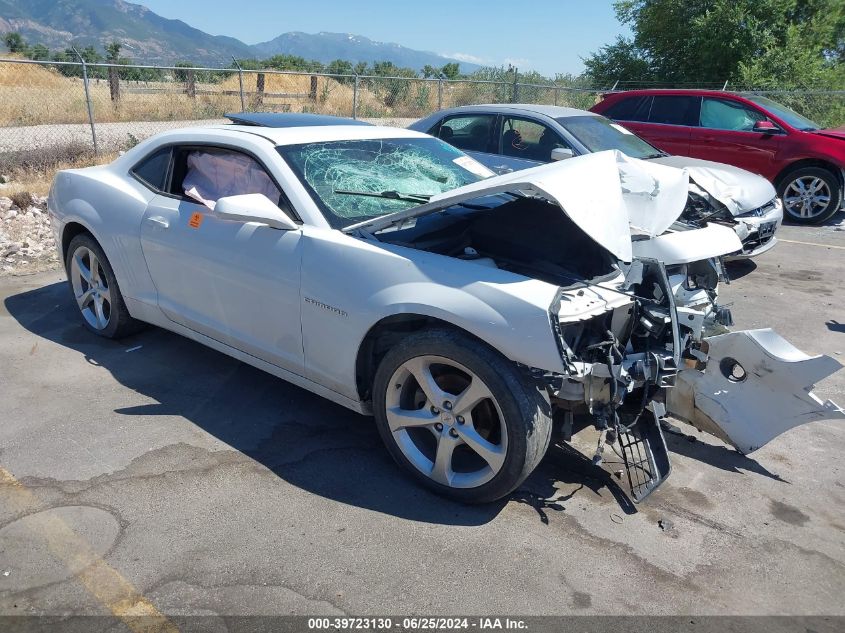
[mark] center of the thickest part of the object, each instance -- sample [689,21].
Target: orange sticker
[196,220]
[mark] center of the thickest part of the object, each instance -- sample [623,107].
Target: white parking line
[840,248]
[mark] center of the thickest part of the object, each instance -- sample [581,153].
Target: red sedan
[804,162]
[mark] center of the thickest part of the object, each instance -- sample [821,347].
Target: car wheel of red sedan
[810,195]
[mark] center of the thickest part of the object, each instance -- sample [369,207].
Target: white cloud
[519,62]
[466,57]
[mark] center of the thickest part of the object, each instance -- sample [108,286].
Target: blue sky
[546,35]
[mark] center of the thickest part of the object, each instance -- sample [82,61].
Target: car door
[669,123]
[725,134]
[235,282]
[526,142]
[474,133]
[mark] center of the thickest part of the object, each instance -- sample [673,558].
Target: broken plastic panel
[644,453]
[755,386]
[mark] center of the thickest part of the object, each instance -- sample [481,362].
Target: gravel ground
[27,244]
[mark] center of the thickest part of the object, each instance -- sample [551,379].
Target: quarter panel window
[153,169]
[472,132]
[720,114]
[674,110]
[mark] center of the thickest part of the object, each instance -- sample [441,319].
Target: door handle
[157,221]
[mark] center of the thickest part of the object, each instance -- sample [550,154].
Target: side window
[674,110]
[719,114]
[152,170]
[630,109]
[206,174]
[523,138]
[473,132]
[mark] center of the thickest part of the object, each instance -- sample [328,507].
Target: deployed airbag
[213,175]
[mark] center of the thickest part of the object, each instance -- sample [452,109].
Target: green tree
[113,52]
[39,52]
[14,42]
[711,41]
[620,61]
[452,70]
[339,67]
[395,86]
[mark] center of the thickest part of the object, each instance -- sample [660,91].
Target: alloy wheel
[90,287]
[446,422]
[806,197]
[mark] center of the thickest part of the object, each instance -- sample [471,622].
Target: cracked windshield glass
[355,180]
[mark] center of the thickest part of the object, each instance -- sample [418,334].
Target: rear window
[674,110]
[153,169]
[629,109]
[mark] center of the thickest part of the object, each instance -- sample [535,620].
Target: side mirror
[562,153]
[766,127]
[253,207]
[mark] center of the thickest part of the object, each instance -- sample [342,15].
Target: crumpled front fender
[755,386]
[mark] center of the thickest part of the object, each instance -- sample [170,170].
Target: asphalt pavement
[152,475]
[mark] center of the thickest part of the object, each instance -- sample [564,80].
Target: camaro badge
[325,306]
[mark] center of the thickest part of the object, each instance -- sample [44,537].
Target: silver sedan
[519,136]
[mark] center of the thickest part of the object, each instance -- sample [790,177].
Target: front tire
[810,195]
[460,418]
[95,290]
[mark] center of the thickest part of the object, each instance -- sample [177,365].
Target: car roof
[695,92]
[289,119]
[294,135]
[555,112]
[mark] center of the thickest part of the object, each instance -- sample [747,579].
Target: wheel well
[383,336]
[809,162]
[72,229]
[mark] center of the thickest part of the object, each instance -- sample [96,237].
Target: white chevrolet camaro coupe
[471,314]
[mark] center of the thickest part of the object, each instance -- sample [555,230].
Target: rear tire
[459,417]
[810,195]
[95,290]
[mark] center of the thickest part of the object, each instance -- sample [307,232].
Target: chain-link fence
[66,112]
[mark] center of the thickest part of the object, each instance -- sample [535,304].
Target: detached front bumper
[757,232]
[753,386]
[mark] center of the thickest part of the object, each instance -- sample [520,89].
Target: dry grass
[34,95]
[32,171]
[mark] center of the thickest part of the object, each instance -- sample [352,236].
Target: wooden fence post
[114,84]
[313,93]
[191,84]
[259,89]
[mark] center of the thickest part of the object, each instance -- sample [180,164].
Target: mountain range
[150,38]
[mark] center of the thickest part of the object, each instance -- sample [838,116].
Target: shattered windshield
[598,134]
[355,180]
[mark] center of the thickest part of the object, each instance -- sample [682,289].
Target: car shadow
[304,439]
[739,268]
[722,457]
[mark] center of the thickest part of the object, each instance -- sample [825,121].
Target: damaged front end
[616,366]
[638,328]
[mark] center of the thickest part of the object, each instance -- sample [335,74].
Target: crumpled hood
[736,188]
[607,194]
